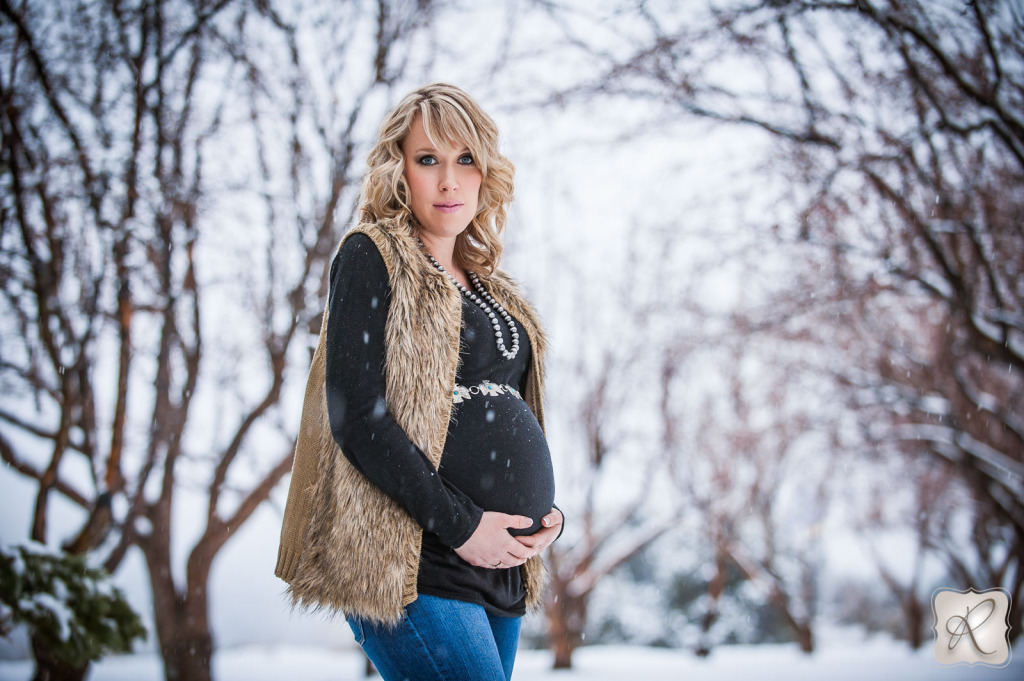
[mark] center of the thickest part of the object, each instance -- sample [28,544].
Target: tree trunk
[188,658]
[915,620]
[49,667]
[181,617]
[1016,586]
[805,638]
[566,616]
[803,628]
[183,632]
[715,589]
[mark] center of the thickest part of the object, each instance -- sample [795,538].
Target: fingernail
[546,521]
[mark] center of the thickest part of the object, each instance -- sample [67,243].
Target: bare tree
[610,537]
[748,459]
[171,173]
[929,507]
[897,127]
[609,466]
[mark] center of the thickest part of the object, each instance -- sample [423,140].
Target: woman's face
[444,183]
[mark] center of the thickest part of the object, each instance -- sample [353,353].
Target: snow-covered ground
[860,660]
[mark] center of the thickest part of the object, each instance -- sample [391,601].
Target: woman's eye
[427,161]
[466,159]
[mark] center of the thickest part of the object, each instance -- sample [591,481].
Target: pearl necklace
[485,302]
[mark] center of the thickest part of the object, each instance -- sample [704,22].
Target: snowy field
[860,660]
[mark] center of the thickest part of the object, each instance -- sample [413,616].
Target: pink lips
[448,206]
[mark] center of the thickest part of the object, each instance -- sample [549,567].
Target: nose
[449,182]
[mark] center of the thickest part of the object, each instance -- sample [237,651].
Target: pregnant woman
[422,492]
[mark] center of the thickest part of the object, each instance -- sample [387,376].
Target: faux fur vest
[345,545]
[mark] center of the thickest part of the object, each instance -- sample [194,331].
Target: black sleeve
[363,427]
[555,506]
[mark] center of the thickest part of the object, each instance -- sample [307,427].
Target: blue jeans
[440,639]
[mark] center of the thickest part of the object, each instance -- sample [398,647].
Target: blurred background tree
[897,160]
[171,177]
[811,323]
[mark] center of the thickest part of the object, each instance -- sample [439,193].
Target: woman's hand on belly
[491,546]
[545,536]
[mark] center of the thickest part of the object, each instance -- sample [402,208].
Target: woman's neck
[443,251]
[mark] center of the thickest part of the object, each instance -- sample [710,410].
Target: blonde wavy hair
[449,116]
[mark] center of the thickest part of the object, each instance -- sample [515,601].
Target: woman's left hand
[543,538]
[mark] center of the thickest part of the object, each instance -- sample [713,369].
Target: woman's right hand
[491,546]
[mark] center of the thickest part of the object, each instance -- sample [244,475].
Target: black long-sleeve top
[495,456]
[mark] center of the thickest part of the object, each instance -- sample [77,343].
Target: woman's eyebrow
[432,150]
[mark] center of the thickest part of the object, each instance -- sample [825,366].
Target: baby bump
[496,453]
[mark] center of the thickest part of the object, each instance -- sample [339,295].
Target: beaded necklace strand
[486,303]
